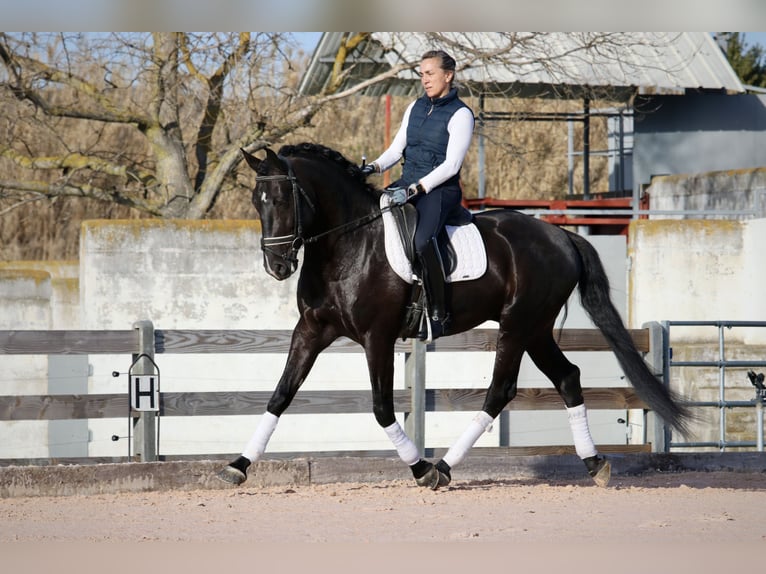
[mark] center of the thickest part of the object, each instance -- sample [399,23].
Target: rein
[350,225]
[296,239]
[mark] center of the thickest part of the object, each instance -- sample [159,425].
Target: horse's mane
[312,150]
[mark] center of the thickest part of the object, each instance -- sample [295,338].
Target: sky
[308,40]
[752,38]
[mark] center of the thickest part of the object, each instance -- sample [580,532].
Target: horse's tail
[595,298]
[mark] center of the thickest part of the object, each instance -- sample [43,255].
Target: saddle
[406,218]
[465,262]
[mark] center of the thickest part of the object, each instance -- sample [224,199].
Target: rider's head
[437,71]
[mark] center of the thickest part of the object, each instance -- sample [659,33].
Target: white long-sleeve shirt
[460,128]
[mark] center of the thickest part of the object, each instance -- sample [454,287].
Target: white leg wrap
[476,428]
[257,445]
[578,421]
[406,449]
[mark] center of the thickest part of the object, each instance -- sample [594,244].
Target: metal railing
[722,364]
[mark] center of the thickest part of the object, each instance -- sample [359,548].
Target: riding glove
[399,195]
[367,169]
[414,189]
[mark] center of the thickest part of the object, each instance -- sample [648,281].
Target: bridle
[296,239]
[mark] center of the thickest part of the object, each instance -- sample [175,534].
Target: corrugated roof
[538,64]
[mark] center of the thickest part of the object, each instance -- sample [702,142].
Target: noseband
[295,239]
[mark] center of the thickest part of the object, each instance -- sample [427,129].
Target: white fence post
[145,430]
[415,380]
[654,427]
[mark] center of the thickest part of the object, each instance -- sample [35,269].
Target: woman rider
[433,139]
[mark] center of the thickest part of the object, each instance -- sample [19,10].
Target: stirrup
[430,329]
[425,332]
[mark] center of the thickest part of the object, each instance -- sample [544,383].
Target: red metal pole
[387,137]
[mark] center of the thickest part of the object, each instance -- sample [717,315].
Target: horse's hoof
[434,478]
[602,474]
[444,479]
[232,475]
[430,479]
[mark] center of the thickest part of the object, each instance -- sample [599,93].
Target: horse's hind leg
[565,376]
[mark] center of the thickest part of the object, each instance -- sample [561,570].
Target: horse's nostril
[279,270]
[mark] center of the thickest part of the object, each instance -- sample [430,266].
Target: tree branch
[347,45]
[215,85]
[21,203]
[27,70]
[77,161]
[52,190]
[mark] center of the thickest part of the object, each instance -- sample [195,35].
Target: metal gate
[723,404]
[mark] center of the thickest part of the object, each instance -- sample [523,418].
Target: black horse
[309,196]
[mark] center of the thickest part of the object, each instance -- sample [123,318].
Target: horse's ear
[273,158]
[251,160]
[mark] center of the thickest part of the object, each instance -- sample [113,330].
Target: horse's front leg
[380,361]
[305,346]
[502,389]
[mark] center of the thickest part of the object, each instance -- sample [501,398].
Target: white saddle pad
[466,239]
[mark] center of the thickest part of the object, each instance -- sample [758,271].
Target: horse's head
[332,197]
[278,199]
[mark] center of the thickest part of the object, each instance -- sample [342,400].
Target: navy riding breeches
[434,209]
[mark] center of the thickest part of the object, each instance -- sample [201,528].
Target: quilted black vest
[427,136]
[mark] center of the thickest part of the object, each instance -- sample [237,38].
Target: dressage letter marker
[144,393]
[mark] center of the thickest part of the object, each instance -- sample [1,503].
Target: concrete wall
[26,298]
[209,275]
[730,194]
[25,301]
[62,306]
[179,274]
[703,270]
[698,270]
[190,275]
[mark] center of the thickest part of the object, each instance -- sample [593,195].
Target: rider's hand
[413,189]
[399,196]
[367,169]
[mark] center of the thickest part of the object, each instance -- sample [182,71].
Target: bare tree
[155,121]
[127,119]
[151,121]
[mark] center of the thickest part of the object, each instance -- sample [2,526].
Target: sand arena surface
[697,508]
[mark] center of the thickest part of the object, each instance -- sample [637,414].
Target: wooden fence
[415,400]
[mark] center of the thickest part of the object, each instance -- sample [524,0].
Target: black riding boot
[432,273]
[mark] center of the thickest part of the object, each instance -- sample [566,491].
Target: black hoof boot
[431,475]
[444,473]
[425,474]
[235,472]
[599,469]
